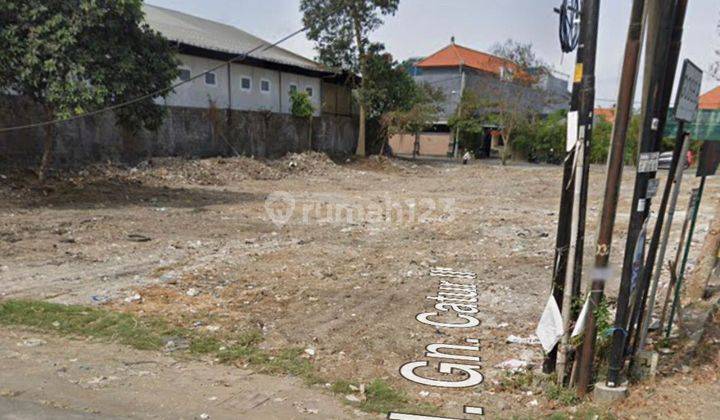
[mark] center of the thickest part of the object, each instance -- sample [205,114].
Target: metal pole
[640,204]
[688,244]
[675,183]
[562,351]
[667,87]
[591,12]
[626,94]
[678,255]
[562,240]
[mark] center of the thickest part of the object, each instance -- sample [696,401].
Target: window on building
[265,86]
[293,89]
[245,83]
[309,91]
[184,74]
[210,79]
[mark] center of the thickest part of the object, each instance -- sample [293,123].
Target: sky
[421,27]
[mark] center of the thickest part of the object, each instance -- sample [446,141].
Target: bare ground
[194,240]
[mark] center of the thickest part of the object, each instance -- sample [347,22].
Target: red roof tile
[711,99]
[455,55]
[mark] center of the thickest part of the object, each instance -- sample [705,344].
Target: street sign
[648,162]
[709,158]
[686,102]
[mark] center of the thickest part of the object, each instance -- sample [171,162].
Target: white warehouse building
[261,82]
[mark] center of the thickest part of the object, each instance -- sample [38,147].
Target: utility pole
[626,94]
[562,239]
[686,106]
[647,165]
[456,142]
[666,92]
[591,15]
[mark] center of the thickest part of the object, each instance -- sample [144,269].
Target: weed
[382,398]
[564,396]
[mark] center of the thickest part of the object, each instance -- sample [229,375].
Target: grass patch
[146,334]
[153,334]
[562,395]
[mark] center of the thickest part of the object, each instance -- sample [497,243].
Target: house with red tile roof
[710,100]
[456,69]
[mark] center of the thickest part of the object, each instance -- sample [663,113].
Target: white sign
[572,130]
[648,162]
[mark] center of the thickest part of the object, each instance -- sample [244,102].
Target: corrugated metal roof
[215,36]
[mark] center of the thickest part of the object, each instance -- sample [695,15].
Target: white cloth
[580,324]
[550,327]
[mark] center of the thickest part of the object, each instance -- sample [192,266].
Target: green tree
[70,57]
[467,122]
[389,87]
[302,107]
[341,30]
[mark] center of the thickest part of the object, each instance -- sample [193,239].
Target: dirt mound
[213,171]
[308,163]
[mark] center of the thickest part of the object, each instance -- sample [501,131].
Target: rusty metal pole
[616,159]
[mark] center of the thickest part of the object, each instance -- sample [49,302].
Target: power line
[239,57]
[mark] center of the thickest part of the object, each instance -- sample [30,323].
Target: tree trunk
[310,133]
[361,132]
[698,280]
[47,158]
[506,149]
[357,23]
[416,145]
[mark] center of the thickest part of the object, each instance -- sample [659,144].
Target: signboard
[709,158]
[572,130]
[686,102]
[648,162]
[705,127]
[652,188]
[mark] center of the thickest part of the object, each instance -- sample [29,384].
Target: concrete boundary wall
[186,132]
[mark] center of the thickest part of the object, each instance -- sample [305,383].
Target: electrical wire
[569,30]
[156,93]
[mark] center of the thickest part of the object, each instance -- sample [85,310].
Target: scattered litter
[213,328]
[310,351]
[204,416]
[192,292]
[533,403]
[514,365]
[531,340]
[352,398]
[33,342]
[100,299]
[665,350]
[134,298]
[424,393]
[134,237]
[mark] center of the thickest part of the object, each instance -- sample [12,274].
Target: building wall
[431,144]
[198,94]
[187,132]
[489,87]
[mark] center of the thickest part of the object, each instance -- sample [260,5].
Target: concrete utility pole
[647,166]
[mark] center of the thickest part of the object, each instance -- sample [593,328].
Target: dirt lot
[193,242]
